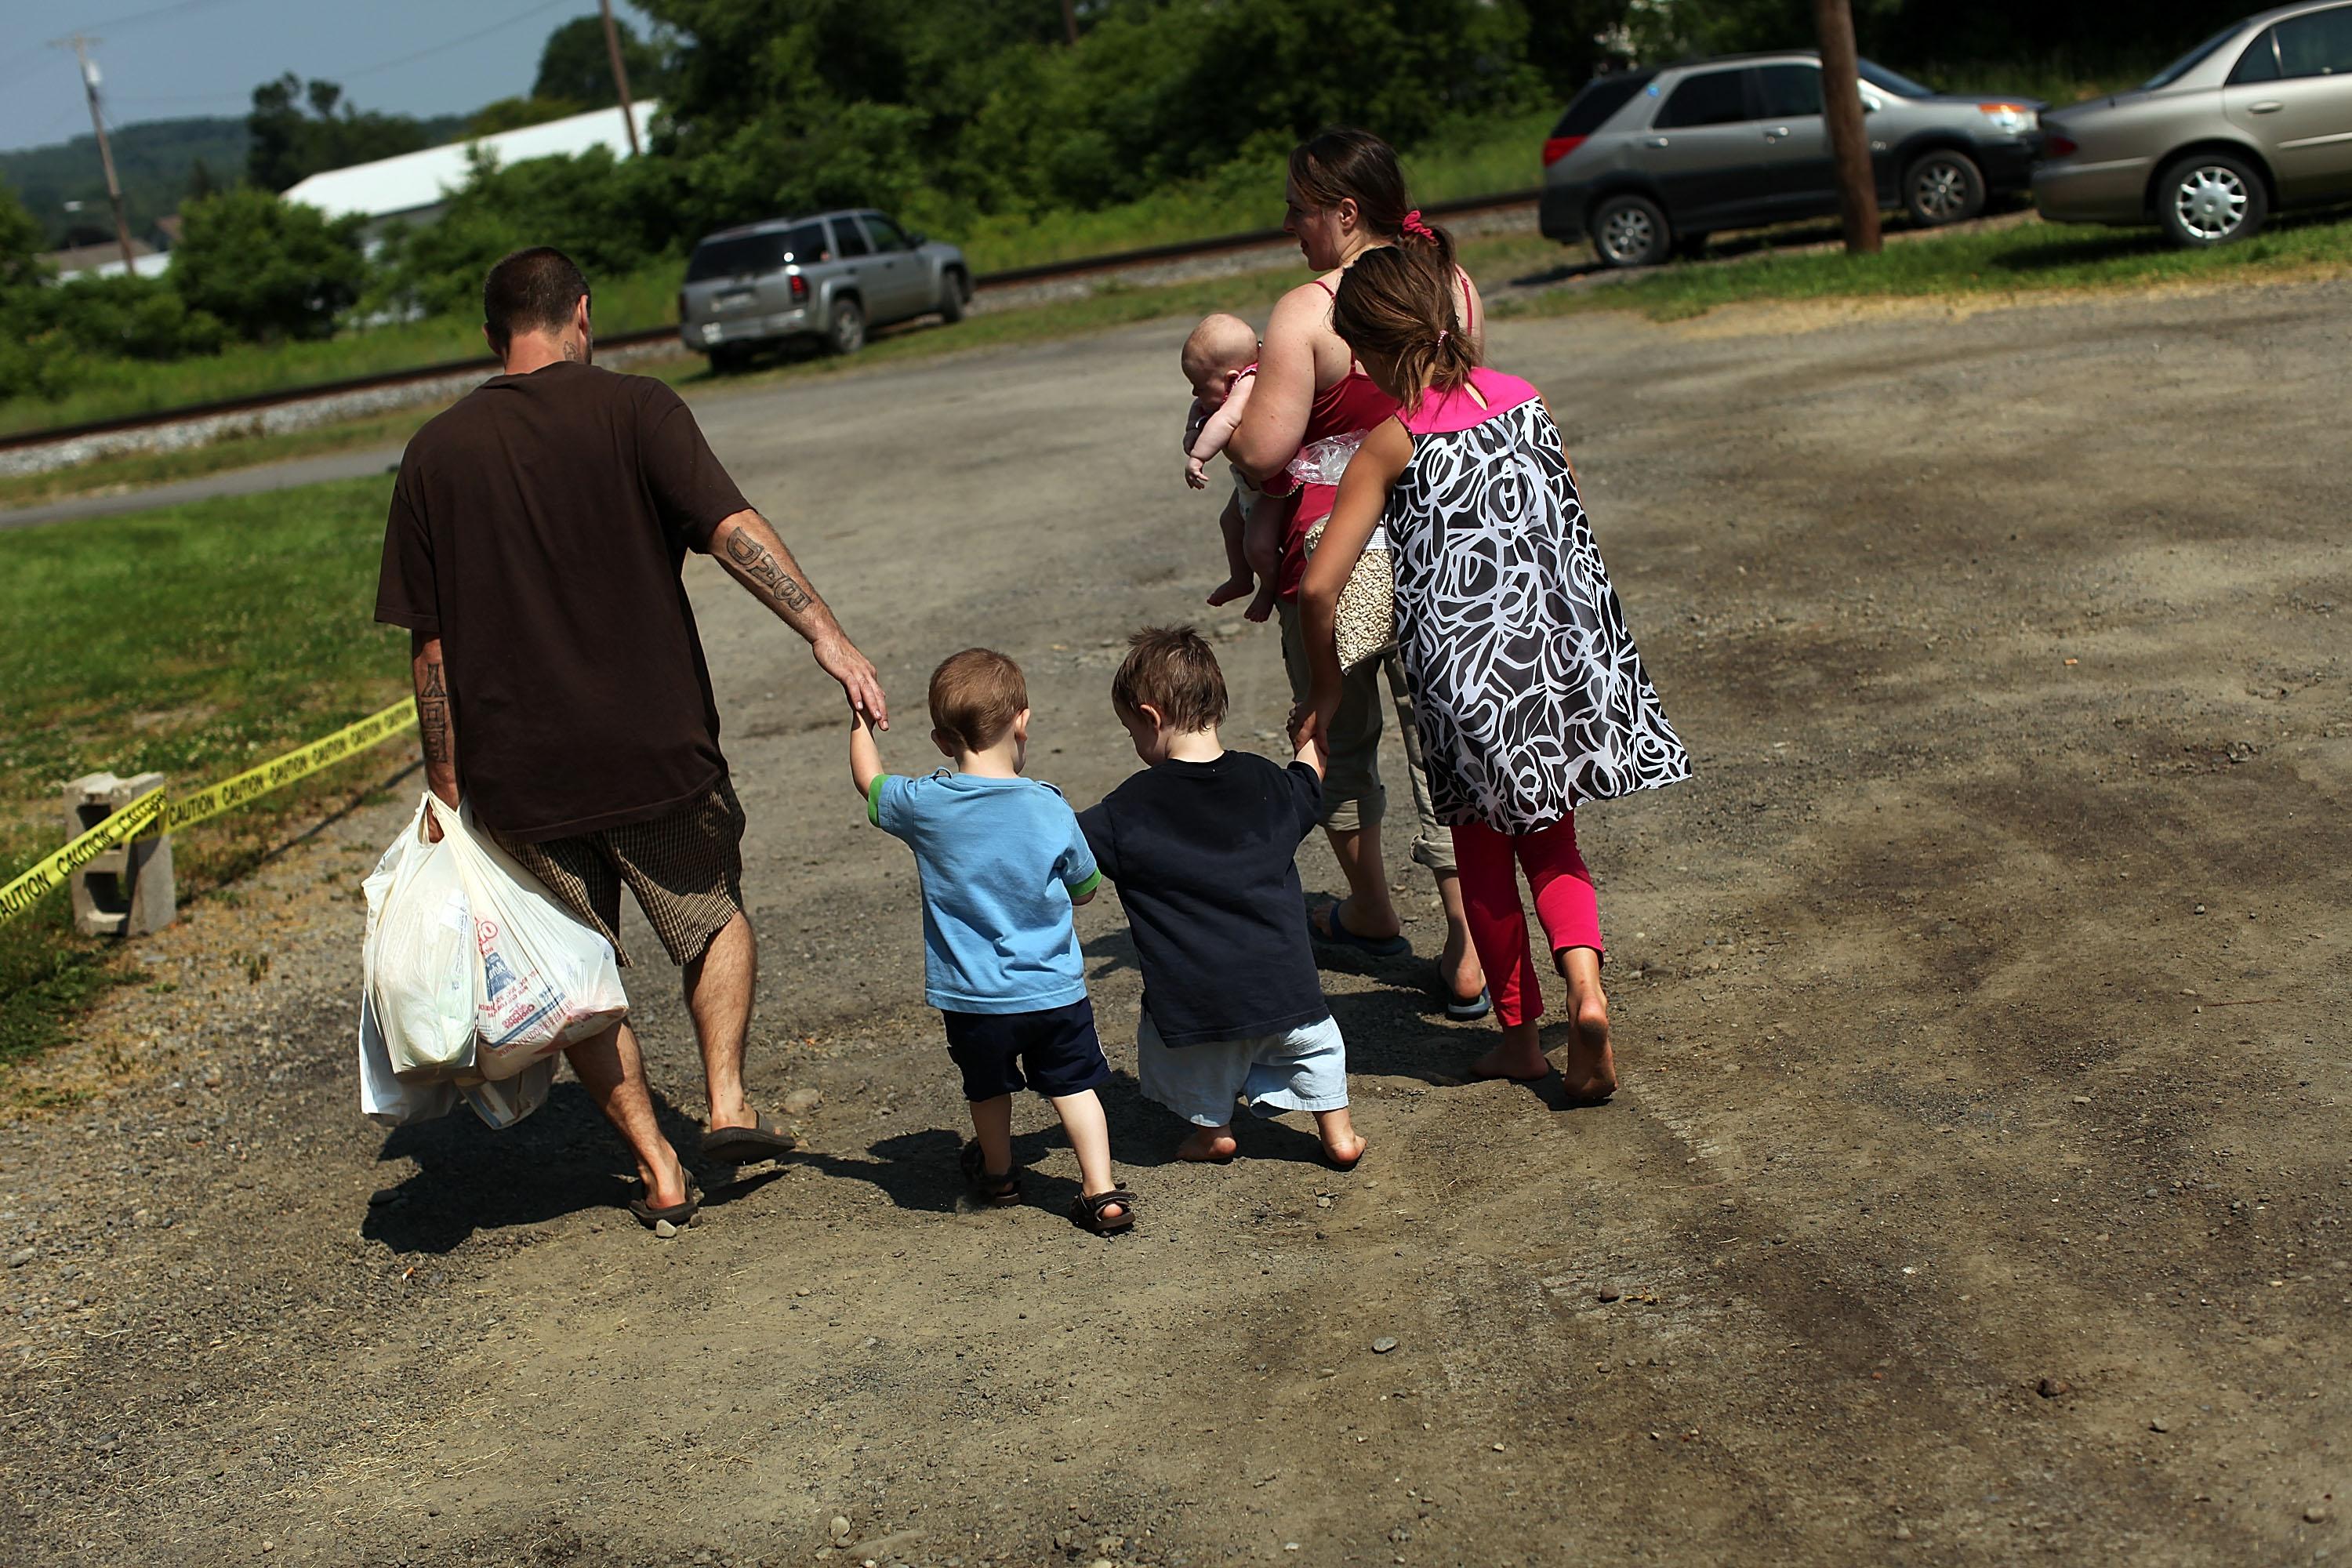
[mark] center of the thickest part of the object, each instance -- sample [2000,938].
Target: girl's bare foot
[1233,588]
[1342,1145]
[1263,605]
[1518,1056]
[1587,1064]
[1209,1145]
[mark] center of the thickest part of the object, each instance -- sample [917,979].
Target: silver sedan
[2256,119]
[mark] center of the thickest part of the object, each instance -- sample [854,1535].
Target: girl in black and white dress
[1530,696]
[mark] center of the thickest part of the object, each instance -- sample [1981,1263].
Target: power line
[459,42]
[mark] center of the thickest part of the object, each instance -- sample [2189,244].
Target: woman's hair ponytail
[1398,305]
[1340,165]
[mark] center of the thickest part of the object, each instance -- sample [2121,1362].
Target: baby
[1221,362]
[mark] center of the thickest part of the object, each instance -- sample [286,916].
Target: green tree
[267,268]
[576,67]
[299,129]
[21,243]
[611,215]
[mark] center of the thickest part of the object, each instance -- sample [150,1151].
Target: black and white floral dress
[1529,694]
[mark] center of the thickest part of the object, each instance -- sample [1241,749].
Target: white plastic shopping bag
[418,957]
[384,1099]
[542,978]
[506,1101]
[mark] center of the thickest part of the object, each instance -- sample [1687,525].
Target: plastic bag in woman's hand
[1322,462]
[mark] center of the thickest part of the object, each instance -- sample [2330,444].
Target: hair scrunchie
[1416,227]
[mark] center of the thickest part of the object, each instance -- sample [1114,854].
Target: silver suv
[827,277]
[2256,118]
[1644,163]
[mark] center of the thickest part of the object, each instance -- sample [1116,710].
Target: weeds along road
[1976,1190]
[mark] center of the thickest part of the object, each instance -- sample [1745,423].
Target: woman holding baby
[1345,196]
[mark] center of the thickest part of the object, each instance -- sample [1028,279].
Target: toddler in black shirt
[1203,847]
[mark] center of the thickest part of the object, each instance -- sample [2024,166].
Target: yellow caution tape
[152,810]
[280,771]
[138,817]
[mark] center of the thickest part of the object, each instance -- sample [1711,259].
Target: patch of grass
[2031,258]
[121,388]
[195,640]
[50,976]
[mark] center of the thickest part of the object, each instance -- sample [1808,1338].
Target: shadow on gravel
[564,1159]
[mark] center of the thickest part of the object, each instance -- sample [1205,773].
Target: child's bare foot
[1263,605]
[1233,588]
[1209,1145]
[1342,1145]
[1518,1056]
[1587,1065]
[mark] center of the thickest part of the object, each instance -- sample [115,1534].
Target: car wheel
[2209,199]
[1630,231]
[728,358]
[1943,187]
[845,334]
[955,292]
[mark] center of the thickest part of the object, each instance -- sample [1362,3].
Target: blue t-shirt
[1000,860]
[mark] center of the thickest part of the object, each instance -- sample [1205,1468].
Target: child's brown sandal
[1086,1211]
[997,1192]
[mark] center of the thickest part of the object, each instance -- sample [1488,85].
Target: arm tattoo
[755,561]
[432,719]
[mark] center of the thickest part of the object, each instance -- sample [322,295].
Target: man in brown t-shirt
[534,553]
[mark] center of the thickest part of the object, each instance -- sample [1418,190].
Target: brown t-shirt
[537,529]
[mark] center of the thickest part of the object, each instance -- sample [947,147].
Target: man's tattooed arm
[772,579]
[752,554]
[434,722]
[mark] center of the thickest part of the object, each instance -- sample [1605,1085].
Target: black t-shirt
[1204,856]
[537,528]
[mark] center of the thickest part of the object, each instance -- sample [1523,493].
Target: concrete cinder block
[128,889]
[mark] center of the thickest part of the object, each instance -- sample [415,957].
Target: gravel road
[1974,1191]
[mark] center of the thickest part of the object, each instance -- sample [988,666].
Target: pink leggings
[1499,923]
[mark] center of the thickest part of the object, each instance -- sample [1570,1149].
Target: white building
[414,187]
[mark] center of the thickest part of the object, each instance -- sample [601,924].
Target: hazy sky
[165,59]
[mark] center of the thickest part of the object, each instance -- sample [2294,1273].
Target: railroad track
[251,413]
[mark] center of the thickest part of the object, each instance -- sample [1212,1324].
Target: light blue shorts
[1305,1070]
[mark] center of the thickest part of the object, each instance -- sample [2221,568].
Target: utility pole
[1070,21]
[620,74]
[80,47]
[1849,137]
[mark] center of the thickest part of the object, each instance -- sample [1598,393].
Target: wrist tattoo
[759,565]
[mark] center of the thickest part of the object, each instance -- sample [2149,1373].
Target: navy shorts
[1057,1045]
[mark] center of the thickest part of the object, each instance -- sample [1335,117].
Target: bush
[267,269]
[610,215]
[129,317]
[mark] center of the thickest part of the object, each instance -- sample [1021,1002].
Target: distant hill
[155,160]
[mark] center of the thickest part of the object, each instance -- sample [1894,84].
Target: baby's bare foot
[1263,605]
[1209,1146]
[1233,588]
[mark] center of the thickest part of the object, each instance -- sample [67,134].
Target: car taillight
[2061,146]
[800,287]
[1559,147]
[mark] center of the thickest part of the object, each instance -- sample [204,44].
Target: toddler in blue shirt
[1002,862]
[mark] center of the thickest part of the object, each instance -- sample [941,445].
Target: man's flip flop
[743,1145]
[1340,936]
[1469,1010]
[679,1214]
